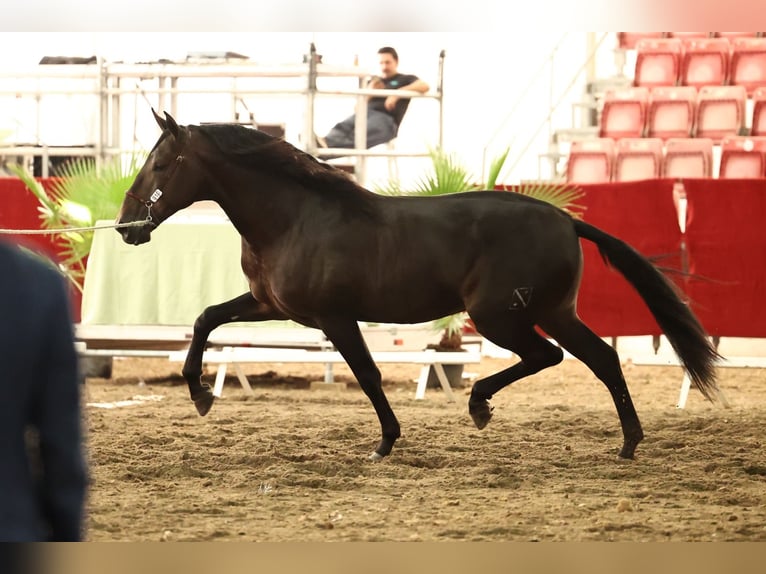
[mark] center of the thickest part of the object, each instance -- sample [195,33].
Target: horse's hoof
[375,457]
[626,454]
[481,413]
[203,402]
[630,442]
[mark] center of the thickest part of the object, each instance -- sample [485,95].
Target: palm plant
[81,195]
[448,175]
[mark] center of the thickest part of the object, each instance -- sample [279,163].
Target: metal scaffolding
[160,84]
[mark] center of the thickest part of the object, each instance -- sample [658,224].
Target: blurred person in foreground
[384,113]
[43,477]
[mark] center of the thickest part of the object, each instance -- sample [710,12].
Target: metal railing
[554,102]
[107,84]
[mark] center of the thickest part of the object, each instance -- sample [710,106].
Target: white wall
[485,74]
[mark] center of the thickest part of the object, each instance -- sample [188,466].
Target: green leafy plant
[451,329]
[81,195]
[448,175]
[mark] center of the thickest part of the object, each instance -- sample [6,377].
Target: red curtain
[726,239]
[19,210]
[725,242]
[643,215]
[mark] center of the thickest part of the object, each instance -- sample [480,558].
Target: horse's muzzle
[138,234]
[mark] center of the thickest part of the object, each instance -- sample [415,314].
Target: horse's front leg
[242,308]
[347,338]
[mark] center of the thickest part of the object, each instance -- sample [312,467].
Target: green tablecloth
[187,266]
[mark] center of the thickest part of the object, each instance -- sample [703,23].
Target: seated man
[384,114]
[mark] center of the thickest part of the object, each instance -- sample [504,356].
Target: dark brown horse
[319,249]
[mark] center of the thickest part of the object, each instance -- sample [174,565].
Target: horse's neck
[261,208]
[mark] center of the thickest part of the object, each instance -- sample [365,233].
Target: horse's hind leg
[578,339]
[347,338]
[242,308]
[516,335]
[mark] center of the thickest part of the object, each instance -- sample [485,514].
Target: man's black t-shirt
[393,83]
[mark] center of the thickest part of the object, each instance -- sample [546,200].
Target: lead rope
[72,229]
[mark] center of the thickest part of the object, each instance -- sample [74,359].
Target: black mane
[253,148]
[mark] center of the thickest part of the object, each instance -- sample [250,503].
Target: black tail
[674,317]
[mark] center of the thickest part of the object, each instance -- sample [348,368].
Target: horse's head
[165,184]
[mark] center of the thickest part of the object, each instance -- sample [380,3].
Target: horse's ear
[160,122]
[174,128]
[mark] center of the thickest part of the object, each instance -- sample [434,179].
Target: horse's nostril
[125,233]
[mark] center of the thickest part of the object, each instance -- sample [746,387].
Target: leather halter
[156,194]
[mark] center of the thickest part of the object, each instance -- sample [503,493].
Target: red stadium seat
[732,35]
[748,63]
[590,161]
[705,62]
[624,113]
[688,157]
[670,113]
[658,62]
[637,158]
[743,158]
[720,111]
[689,35]
[758,124]
[627,40]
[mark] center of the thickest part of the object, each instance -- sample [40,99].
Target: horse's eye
[158,167]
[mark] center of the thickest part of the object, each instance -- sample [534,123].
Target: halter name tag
[155,196]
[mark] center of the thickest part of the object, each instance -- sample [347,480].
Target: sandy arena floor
[291,463]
